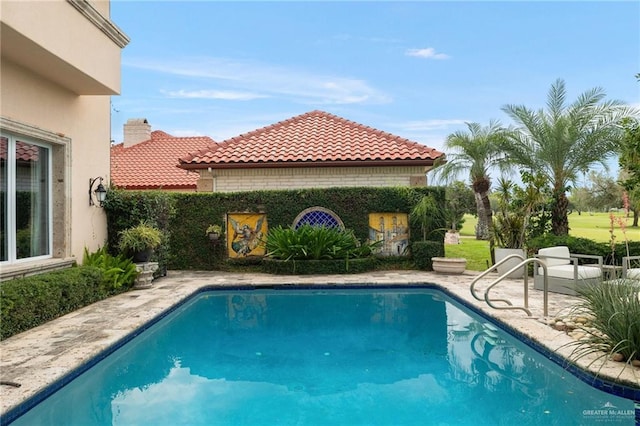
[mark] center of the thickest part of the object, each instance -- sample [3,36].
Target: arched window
[318,216]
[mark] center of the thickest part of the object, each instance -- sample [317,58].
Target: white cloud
[302,86]
[428,53]
[214,94]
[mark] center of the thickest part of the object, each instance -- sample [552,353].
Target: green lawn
[475,251]
[594,226]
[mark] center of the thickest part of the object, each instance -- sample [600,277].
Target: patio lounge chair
[631,267]
[564,272]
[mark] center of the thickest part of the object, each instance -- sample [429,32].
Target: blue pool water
[334,357]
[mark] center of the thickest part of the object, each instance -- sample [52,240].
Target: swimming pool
[359,356]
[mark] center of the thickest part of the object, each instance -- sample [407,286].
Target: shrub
[139,238]
[586,246]
[613,310]
[126,209]
[118,272]
[423,251]
[315,243]
[31,301]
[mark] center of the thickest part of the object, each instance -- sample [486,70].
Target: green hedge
[423,251]
[310,267]
[31,301]
[126,209]
[585,246]
[184,217]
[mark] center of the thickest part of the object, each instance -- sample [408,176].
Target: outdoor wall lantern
[100,191]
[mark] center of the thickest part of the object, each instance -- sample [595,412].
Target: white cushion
[633,273]
[560,251]
[566,271]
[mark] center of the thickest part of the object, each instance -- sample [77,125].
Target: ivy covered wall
[184,217]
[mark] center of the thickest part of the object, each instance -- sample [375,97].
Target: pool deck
[45,354]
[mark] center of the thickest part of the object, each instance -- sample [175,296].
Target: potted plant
[140,241]
[214,232]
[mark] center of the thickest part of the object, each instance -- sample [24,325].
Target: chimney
[136,130]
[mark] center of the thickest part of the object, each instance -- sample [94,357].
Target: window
[25,199]
[318,216]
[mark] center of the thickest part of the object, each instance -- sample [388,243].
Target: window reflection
[32,200]
[25,226]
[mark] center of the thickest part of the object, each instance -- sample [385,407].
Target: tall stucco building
[59,66]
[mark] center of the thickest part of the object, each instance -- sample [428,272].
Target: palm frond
[556,99]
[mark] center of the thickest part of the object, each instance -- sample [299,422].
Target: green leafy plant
[613,309]
[507,230]
[213,229]
[459,200]
[315,243]
[516,206]
[424,251]
[117,271]
[140,238]
[427,213]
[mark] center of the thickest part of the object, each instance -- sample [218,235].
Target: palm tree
[476,152]
[565,140]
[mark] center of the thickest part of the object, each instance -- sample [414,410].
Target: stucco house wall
[60,63]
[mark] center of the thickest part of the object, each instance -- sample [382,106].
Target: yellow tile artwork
[393,229]
[246,233]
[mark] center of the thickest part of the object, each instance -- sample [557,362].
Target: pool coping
[183,286]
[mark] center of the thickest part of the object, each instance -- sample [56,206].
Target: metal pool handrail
[523,263]
[491,269]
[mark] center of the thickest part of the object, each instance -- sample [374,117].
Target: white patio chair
[564,272]
[631,267]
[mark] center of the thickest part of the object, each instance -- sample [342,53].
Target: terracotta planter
[449,265]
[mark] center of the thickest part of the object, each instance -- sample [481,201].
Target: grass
[475,251]
[594,226]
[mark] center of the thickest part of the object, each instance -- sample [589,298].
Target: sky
[419,70]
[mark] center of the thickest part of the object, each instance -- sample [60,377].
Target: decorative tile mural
[245,234]
[393,229]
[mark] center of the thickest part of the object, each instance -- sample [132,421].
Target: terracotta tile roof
[25,152]
[315,137]
[152,164]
